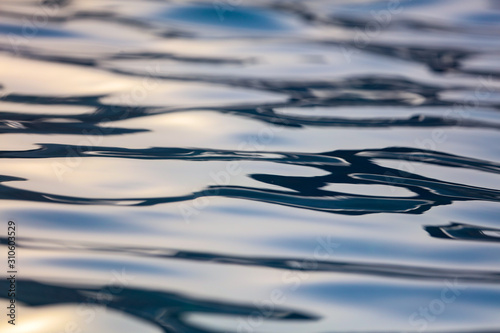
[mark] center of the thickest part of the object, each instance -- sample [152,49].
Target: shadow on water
[343,167]
[287,264]
[466,232]
[163,309]
[431,66]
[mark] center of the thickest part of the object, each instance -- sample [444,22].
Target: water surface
[251,166]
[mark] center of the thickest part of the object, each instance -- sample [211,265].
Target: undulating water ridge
[251,166]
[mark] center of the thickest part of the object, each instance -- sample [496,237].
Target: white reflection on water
[277,124]
[75,318]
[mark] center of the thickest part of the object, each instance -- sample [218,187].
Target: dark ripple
[443,47]
[344,167]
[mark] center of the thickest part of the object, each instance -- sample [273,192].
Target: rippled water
[251,166]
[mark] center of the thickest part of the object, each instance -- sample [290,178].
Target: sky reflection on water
[265,166]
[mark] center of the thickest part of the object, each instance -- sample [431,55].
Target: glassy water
[251,166]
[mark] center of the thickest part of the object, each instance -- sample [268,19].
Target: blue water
[251,166]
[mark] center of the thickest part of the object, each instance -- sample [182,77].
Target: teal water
[265,166]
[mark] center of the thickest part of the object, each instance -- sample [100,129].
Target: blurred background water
[251,166]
